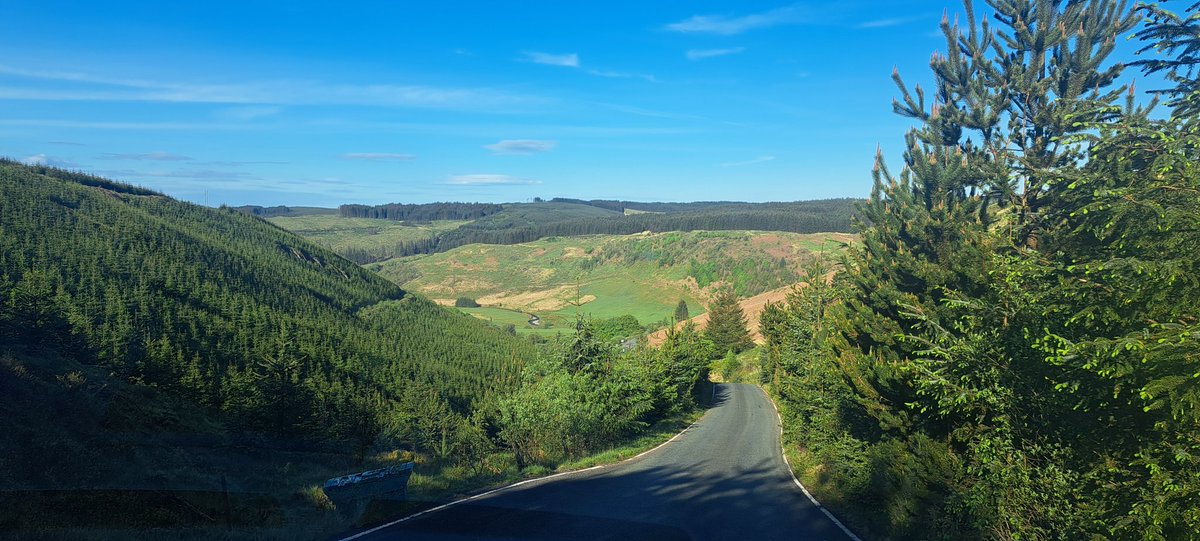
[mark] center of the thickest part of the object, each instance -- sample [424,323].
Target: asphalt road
[722,479]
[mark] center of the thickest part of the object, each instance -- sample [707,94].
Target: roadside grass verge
[441,483]
[301,511]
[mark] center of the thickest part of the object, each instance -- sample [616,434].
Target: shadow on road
[723,479]
[664,502]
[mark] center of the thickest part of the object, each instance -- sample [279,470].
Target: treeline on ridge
[831,215]
[622,206]
[426,212]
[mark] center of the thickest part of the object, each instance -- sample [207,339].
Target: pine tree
[681,311]
[727,324]
[932,340]
[1179,38]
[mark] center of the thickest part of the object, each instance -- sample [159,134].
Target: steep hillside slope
[143,324]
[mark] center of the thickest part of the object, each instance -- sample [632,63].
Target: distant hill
[280,210]
[514,223]
[133,325]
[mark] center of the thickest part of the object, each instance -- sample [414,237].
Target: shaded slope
[140,315]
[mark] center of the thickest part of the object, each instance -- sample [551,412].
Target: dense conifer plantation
[146,342]
[520,223]
[1011,353]
[263,330]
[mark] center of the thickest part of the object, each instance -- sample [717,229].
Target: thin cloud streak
[521,146]
[262,93]
[488,180]
[570,60]
[884,23]
[700,54]
[652,113]
[243,163]
[753,161]
[102,125]
[378,156]
[52,161]
[211,175]
[157,156]
[725,25]
[248,113]
[622,75]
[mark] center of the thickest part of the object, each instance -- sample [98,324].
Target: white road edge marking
[527,481]
[783,451]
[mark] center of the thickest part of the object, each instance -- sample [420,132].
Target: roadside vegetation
[1011,351]
[167,367]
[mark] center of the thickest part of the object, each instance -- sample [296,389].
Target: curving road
[724,478]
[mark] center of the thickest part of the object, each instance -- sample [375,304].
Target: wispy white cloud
[883,23]
[727,25]
[242,163]
[379,156]
[700,54]
[249,112]
[759,159]
[622,75]
[652,113]
[546,131]
[114,125]
[90,87]
[66,143]
[489,180]
[157,156]
[184,174]
[570,60]
[521,146]
[52,161]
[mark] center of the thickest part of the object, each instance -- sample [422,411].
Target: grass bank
[299,512]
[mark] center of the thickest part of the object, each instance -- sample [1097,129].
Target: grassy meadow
[603,276]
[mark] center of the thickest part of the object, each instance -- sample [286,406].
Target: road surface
[722,479]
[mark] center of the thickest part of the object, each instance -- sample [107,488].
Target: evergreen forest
[134,326]
[1010,351]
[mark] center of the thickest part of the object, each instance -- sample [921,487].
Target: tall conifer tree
[727,324]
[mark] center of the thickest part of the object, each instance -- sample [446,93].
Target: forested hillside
[257,327]
[1011,352]
[517,223]
[421,212]
[156,356]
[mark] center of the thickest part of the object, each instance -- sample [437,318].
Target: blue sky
[323,103]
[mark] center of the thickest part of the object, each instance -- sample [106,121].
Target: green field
[605,276]
[365,234]
[519,320]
